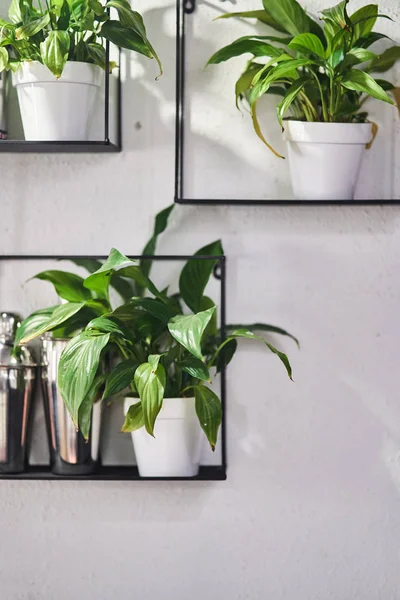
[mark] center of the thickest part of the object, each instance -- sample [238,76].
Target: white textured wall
[311,507]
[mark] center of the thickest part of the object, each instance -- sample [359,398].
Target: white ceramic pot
[57,109]
[325,158]
[175,449]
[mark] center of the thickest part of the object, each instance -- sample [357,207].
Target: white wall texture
[311,507]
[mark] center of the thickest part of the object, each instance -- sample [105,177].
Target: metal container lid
[9,323]
[22,357]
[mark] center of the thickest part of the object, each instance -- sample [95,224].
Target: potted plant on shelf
[322,73]
[166,346]
[57,53]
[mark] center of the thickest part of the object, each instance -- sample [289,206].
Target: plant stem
[312,113]
[178,371]
[48,8]
[331,100]
[338,99]
[325,114]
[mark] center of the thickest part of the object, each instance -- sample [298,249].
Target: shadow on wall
[150,123]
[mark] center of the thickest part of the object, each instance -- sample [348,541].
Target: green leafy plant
[321,70]
[57,31]
[163,344]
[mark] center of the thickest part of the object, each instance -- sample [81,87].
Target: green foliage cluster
[56,31]
[321,70]
[162,344]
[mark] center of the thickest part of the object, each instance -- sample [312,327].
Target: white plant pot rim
[327,133]
[31,72]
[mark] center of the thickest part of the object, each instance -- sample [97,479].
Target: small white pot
[57,109]
[325,158]
[175,449]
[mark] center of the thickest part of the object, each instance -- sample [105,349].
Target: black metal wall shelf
[186,9]
[130,473]
[95,146]
[114,473]
[54,147]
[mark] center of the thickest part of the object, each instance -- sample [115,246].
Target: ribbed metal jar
[70,454]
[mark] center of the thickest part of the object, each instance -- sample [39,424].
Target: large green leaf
[134,418]
[290,96]
[262,327]
[188,330]
[78,366]
[244,46]
[4,59]
[85,409]
[54,51]
[99,281]
[270,66]
[77,322]
[154,307]
[367,40]
[15,12]
[133,20]
[308,43]
[64,15]
[257,127]
[362,82]
[246,333]
[195,367]
[243,84]
[356,56]
[79,10]
[96,7]
[261,15]
[34,327]
[68,286]
[386,60]
[225,356]
[365,19]
[160,225]
[212,328]
[33,323]
[196,274]
[337,14]
[150,379]
[386,85]
[290,15]
[109,324]
[136,273]
[209,412]
[124,37]
[120,377]
[124,287]
[284,70]
[143,312]
[97,53]
[90,264]
[32,28]
[396,93]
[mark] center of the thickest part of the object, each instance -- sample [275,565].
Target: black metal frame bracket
[185,9]
[105,145]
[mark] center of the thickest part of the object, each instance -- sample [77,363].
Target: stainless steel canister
[70,454]
[17,377]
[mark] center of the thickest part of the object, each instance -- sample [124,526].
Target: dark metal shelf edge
[242,202]
[57,147]
[110,473]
